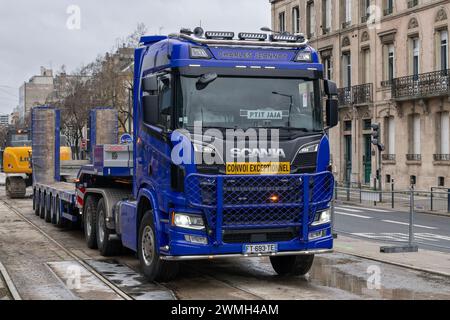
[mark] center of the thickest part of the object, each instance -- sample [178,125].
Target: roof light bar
[219,35]
[252,36]
[284,37]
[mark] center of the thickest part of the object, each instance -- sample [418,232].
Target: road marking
[407,224]
[352,215]
[402,236]
[370,209]
[350,210]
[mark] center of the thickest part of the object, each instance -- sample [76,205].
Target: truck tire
[153,267]
[42,206]
[47,208]
[59,221]
[37,200]
[53,210]
[106,246]
[292,265]
[15,187]
[90,221]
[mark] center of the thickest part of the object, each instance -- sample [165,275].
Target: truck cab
[231,155]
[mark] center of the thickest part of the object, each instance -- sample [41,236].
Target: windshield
[233,102]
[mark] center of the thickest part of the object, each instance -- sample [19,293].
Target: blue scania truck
[260,200]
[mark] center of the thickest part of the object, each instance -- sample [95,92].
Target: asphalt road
[431,232]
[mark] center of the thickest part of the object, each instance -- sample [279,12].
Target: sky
[52,33]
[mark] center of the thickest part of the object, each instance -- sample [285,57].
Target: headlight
[310,149]
[199,53]
[188,221]
[304,56]
[322,217]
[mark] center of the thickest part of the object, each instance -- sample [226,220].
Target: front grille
[260,236]
[262,216]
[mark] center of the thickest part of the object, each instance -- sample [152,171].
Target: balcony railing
[361,94]
[388,157]
[414,157]
[442,157]
[431,84]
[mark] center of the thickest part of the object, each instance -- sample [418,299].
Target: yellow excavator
[16,161]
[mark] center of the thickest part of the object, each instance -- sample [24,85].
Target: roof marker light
[252,36]
[284,37]
[219,35]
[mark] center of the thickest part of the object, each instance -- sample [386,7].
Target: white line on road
[407,224]
[349,210]
[352,215]
[369,209]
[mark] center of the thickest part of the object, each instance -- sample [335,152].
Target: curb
[9,284]
[397,264]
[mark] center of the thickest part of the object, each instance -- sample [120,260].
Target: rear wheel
[152,266]
[37,200]
[59,221]
[16,187]
[106,246]
[90,223]
[47,208]
[292,265]
[42,206]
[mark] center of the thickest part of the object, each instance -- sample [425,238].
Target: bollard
[392,194]
[448,200]
[431,199]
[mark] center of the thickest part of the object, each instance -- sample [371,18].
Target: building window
[390,62]
[367,123]
[444,126]
[326,16]
[415,56]
[348,125]
[390,135]
[443,37]
[365,5]
[346,13]
[311,19]
[346,70]
[413,180]
[415,134]
[388,7]
[328,65]
[441,181]
[366,66]
[282,22]
[296,20]
[388,178]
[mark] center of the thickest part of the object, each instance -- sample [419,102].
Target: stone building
[390,60]
[35,92]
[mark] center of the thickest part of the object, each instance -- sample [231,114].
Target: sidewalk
[424,260]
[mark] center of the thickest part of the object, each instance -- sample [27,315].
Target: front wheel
[153,267]
[292,265]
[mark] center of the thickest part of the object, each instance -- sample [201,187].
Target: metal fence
[435,200]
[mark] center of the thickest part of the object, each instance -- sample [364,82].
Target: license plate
[260,248]
[247,168]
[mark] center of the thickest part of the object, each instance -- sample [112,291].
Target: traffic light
[376,136]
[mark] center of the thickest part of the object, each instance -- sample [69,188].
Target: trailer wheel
[153,267]
[106,246]
[89,221]
[47,208]
[53,210]
[15,187]
[42,206]
[37,200]
[292,265]
[59,222]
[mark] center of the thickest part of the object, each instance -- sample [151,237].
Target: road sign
[126,138]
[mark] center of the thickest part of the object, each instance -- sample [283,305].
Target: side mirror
[149,84]
[332,113]
[330,88]
[150,109]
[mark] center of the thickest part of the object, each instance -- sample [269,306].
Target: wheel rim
[101,226]
[148,240]
[88,223]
